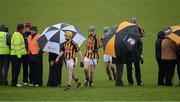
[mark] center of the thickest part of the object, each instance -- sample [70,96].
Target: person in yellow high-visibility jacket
[4,54]
[17,50]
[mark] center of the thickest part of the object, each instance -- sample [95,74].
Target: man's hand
[142,60]
[51,63]
[57,60]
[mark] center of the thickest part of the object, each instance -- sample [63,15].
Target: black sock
[91,81]
[76,80]
[87,79]
[68,86]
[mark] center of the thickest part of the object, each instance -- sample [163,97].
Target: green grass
[152,15]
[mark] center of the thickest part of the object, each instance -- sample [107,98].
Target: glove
[52,63]
[142,60]
[81,64]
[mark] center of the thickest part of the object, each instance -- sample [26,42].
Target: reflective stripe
[18,44]
[35,49]
[4,47]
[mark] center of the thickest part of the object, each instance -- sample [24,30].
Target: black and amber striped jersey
[92,44]
[70,49]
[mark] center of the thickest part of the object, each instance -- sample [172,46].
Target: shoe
[141,84]
[79,85]
[31,85]
[110,78]
[25,84]
[18,85]
[5,83]
[67,88]
[85,83]
[130,84]
[36,85]
[119,84]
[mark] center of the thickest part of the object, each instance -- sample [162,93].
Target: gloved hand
[81,64]
[52,63]
[142,60]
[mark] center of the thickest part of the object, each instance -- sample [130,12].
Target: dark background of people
[5,58]
[25,57]
[158,48]
[135,57]
[55,71]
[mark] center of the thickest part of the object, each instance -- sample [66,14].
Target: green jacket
[18,45]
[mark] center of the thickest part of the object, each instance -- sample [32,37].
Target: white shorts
[90,61]
[107,58]
[70,63]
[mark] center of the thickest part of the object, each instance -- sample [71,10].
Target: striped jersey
[92,44]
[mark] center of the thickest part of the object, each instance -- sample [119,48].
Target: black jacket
[158,42]
[135,54]
[25,36]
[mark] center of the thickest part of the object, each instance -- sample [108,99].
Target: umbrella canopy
[173,33]
[53,36]
[121,39]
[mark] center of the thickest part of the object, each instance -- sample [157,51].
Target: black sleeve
[96,45]
[8,37]
[140,46]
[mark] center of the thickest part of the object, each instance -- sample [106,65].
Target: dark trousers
[119,73]
[16,67]
[161,72]
[25,68]
[137,72]
[55,74]
[36,69]
[4,67]
[169,66]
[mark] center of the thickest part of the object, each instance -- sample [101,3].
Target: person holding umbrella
[55,70]
[135,57]
[121,40]
[69,50]
[17,50]
[110,68]
[4,54]
[35,57]
[91,57]
[169,52]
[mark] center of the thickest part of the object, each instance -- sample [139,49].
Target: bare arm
[60,54]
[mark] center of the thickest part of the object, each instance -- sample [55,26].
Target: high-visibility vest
[18,45]
[33,45]
[4,48]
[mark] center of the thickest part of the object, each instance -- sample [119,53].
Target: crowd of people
[22,48]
